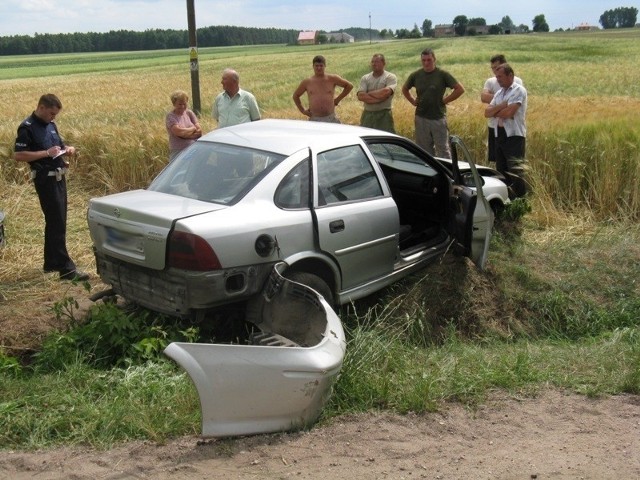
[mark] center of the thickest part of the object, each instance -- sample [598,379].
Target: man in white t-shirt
[376,93]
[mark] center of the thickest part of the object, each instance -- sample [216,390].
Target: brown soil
[552,436]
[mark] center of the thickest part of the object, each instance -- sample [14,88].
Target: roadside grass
[535,319]
[557,306]
[82,405]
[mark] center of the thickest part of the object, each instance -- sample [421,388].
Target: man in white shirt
[509,107]
[491,87]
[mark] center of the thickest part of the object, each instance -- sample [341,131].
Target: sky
[28,17]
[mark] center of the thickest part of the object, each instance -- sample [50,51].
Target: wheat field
[583,120]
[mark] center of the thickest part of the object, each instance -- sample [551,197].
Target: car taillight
[191,252]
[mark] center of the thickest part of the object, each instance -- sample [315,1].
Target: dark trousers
[509,155]
[53,201]
[491,145]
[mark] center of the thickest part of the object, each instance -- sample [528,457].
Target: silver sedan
[348,209]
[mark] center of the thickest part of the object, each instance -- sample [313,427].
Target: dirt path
[554,436]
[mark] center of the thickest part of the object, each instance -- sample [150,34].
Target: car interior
[420,192]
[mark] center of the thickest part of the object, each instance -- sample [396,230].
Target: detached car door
[357,221]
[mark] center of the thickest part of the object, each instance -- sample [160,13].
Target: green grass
[535,320]
[79,405]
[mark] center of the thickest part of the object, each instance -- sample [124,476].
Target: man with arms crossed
[376,92]
[320,88]
[491,87]
[509,107]
[430,84]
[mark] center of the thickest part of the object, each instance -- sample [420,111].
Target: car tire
[497,207]
[312,281]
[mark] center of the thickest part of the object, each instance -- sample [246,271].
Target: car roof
[288,136]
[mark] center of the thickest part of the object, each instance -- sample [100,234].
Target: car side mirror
[468,181]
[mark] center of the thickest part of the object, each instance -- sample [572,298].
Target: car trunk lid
[134,226]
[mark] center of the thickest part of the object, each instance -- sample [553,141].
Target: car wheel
[312,281]
[497,207]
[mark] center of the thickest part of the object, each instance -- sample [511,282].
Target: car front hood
[134,226]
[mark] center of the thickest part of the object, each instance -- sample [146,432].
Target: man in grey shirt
[376,92]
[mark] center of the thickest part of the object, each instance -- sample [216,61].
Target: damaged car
[348,209]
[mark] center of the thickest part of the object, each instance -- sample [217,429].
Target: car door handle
[336,226]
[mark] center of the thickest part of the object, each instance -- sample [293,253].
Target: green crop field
[583,128]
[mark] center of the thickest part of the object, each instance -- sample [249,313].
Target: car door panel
[357,224]
[474,224]
[470,219]
[366,241]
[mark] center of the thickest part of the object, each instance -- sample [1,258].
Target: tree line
[621,17]
[157,39]
[223,36]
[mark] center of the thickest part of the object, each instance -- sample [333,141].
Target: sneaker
[74,275]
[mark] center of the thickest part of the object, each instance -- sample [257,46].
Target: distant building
[307,37]
[586,27]
[444,31]
[479,29]
[339,37]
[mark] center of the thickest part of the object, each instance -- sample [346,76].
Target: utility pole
[369,28]
[193,57]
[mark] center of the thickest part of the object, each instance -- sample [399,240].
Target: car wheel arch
[312,273]
[317,268]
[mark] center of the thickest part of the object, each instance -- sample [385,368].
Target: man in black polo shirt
[39,144]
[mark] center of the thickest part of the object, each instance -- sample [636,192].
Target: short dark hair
[500,58]
[506,68]
[428,51]
[319,59]
[49,100]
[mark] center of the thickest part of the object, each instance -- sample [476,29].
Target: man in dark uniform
[39,144]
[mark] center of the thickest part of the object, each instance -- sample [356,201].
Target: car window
[293,191]
[391,153]
[346,174]
[215,172]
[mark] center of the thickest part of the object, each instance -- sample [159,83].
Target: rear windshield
[215,172]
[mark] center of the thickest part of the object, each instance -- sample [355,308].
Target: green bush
[112,337]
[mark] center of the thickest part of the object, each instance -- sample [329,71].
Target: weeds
[80,405]
[111,337]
